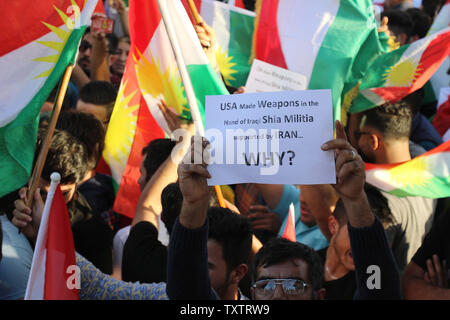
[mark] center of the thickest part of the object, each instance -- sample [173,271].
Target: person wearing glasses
[298,275]
[382,137]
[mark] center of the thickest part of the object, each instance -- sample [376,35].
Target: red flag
[289,230]
[60,252]
[100,8]
[54,263]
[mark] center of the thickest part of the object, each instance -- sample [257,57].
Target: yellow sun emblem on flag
[413,173]
[402,74]
[62,34]
[153,81]
[225,65]
[121,129]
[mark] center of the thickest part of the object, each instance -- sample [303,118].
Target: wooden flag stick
[194,11]
[39,166]
[190,95]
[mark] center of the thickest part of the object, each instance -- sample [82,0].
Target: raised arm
[187,265]
[376,272]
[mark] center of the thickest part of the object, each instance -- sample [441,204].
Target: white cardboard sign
[265,77]
[271,137]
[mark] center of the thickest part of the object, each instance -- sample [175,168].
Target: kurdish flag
[38,40]
[319,39]
[398,73]
[53,270]
[151,73]
[427,175]
[233,27]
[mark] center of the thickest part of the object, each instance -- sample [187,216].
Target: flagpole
[34,276]
[194,11]
[190,95]
[39,166]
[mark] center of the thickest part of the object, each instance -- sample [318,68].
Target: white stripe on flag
[217,16]
[293,16]
[191,49]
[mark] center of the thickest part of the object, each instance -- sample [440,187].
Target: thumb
[38,204]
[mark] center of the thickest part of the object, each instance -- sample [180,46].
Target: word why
[268,158]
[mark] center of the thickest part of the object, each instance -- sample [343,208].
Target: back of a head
[86,128]
[100,93]
[340,214]
[233,232]
[399,21]
[421,22]
[157,151]
[66,155]
[279,250]
[393,120]
[171,202]
[432,7]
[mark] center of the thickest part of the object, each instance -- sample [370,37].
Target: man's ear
[238,273]
[402,38]
[333,225]
[375,142]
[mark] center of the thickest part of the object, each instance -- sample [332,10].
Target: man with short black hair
[98,98]
[229,245]
[421,24]
[298,265]
[382,137]
[399,24]
[92,236]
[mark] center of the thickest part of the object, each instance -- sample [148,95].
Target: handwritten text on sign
[270,137]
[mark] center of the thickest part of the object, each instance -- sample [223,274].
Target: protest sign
[265,77]
[270,137]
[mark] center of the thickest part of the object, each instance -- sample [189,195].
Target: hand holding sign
[350,172]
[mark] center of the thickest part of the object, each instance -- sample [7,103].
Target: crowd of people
[353,241]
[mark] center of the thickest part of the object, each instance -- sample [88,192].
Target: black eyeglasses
[84,45]
[293,287]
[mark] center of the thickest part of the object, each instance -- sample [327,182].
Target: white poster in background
[265,77]
[271,137]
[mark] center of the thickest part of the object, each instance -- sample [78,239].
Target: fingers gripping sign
[350,169]
[192,172]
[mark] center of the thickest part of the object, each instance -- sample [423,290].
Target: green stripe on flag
[205,83]
[18,138]
[375,78]
[349,30]
[240,46]
[435,188]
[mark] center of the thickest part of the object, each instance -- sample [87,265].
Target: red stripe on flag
[100,8]
[268,43]
[444,147]
[436,52]
[21,21]
[240,4]
[147,129]
[198,5]
[143,15]
[441,120]
[60,252]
